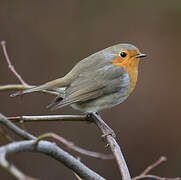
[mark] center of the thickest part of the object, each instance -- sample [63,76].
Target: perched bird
[99,81]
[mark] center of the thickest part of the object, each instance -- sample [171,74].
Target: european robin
[99,81]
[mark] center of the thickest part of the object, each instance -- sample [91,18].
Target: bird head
[125,55]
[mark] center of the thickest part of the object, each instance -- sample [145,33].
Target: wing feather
[89,86]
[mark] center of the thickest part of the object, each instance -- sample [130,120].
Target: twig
[73,147]
[50,149]
[50,118]
[155,177]
[113,145]
[77,176]
[152,166]
[11,67]
[15,128]
[11,168]
[5,135]
[145,174]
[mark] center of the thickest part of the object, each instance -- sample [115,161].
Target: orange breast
[132,70]
[131,66]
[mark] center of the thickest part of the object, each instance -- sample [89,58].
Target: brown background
[46,38]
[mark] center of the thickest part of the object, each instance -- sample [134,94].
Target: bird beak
[140,55]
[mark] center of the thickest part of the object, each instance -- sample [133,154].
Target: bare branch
[69,144]
[15,128]
[50,118]
[108,133]
[152,166]
[103,127]
[5,135]
[73,147]
[67,160]
[145,174]
[155,177]
[11,168]
[77,176]
[13,87]
[92,118]
[50,149]
[11,67]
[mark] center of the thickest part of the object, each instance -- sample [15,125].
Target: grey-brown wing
[92,85]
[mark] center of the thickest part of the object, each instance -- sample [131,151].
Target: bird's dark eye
[123,54]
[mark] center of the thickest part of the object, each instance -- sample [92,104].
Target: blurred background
[46,38]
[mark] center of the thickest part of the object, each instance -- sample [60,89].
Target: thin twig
[152,166]
[5,135]
[11,168]
[73,147]
[155,177]
[50,149]
[15,128]
[77,176]
[11,67]
[145,174]
[49,118]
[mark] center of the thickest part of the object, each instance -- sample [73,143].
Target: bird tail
[50,86]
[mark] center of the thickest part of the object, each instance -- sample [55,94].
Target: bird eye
[123,54]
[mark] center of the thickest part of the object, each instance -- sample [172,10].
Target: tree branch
[11,67]
[49,149]
[69,144]
[15,129]
[152,166]
[99,122]
[75,148]
[105,129]
[50,118]
[90,118]
[145,174]
[52,150]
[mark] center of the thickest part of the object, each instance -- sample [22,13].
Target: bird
[100,81]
